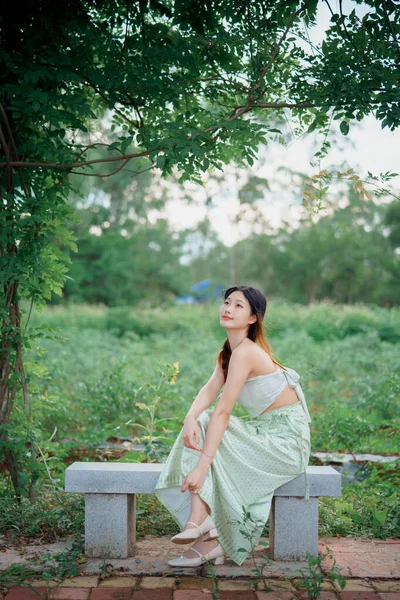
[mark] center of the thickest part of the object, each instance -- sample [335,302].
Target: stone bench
[110,507]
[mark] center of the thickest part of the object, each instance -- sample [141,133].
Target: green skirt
[255,457]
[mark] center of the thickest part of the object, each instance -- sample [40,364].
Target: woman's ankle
[198,518]
[205,545]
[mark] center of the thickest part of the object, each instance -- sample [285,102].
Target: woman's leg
[200,510]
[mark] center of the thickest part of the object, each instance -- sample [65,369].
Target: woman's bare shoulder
[247,348]
[257,355]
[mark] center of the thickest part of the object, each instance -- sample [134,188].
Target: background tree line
[349,254]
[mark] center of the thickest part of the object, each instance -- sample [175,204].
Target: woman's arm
[240,365]
[208,393]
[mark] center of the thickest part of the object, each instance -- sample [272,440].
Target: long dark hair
[258,304]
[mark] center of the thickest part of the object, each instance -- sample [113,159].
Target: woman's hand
[194,480]
[191,435]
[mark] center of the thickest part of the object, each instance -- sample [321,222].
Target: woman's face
[237,308]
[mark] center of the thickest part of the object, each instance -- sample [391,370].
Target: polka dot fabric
[255,457]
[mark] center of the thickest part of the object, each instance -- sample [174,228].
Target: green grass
[85,383]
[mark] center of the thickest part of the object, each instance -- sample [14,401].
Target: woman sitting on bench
[222,466]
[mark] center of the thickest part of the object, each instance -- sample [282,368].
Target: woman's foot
[202,546]
[196,517]
[214,554]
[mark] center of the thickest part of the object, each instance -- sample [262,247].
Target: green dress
[256,455]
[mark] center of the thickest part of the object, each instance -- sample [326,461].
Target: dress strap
[293,379]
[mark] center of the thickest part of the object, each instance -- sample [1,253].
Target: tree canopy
[190,83]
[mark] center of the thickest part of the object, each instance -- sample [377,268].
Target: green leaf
[126,143]
[344,127]
[381,515]
[312,126]
[356,516]
[160,161]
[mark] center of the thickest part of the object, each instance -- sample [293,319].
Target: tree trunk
[313,292]
[11,365]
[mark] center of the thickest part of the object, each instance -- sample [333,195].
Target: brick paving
[199,590]
[22,593]
[371,569]
[364,557]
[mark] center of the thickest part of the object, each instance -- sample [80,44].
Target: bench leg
[110,525]
[293,528]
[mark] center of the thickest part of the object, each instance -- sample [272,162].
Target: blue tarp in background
[202,291]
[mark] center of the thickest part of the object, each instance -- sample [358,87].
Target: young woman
[221,472]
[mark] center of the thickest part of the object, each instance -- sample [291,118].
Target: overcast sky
[366,148]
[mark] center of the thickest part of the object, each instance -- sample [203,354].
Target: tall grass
[90,382]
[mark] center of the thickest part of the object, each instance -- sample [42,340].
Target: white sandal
[216,554]
[187,536]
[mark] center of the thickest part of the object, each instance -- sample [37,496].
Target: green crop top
[259,392]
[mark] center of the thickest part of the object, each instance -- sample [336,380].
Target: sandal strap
[194,550]
[191,522]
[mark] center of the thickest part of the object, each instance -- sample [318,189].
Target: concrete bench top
[141,478]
